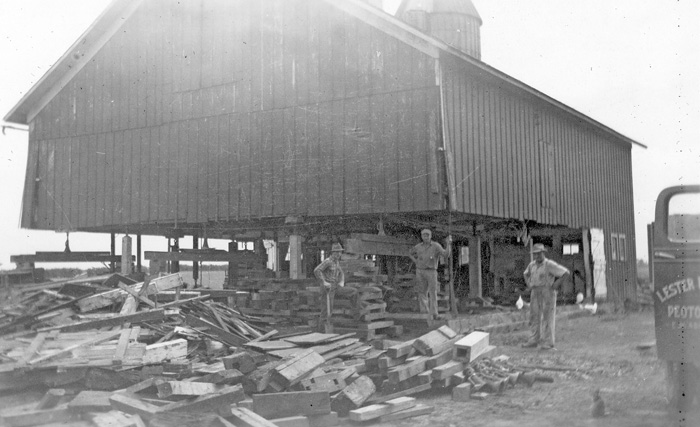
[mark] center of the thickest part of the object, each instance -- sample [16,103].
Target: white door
[599,269]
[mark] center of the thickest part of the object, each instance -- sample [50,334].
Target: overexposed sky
[633,65]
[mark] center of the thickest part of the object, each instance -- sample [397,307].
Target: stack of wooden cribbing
[360,306]
[295,300]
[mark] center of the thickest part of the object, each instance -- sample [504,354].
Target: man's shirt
[330,271]
[543,274]
[427,255]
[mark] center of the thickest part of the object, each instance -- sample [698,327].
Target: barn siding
[516,157]
[298,109]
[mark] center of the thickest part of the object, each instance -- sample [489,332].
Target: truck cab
[675,263]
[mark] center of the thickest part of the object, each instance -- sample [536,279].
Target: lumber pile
[124,354]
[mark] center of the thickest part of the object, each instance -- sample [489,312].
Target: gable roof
[92,40]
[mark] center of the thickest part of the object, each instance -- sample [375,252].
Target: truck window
[684,218]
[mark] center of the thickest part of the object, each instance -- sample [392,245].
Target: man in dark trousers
[332,277]
[426,256]
[543,277]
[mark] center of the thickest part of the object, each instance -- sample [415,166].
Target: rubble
[132,354]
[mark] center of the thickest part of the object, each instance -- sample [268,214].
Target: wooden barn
[308,122]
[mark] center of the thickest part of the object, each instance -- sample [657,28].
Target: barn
[293,124]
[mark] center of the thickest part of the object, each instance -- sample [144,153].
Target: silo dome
[455,22]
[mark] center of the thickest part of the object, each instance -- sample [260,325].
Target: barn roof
[92,40]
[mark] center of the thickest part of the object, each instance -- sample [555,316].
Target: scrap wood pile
[198,362]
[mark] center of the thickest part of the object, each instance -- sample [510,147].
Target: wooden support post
[195,264]
[175,265]
[138,253]
[587,260]
[127,267]
[113,252]
[232,266]
[475,285]
[295,251]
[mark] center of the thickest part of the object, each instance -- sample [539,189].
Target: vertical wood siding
[517,157]
[201,111]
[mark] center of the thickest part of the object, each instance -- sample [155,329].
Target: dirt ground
[604,348]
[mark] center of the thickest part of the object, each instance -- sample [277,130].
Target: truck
[674,254]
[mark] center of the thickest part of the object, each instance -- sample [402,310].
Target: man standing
[332,277]
[543,277]
[426,255]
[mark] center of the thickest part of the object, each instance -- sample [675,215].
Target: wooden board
[279,405]
[417,410]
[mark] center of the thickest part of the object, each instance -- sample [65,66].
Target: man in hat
[543,277]
[332,277]
[426,256]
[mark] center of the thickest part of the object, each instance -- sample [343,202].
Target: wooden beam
[226,337]
[95,340]
[204,256]
[143,316]
[280,405]
[65,257]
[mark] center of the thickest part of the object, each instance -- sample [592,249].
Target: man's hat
[337,247]
[538,247]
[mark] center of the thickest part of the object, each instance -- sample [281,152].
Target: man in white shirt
[543,277]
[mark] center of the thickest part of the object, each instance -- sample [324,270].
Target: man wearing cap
[332,277]
[543,277]
[426,255]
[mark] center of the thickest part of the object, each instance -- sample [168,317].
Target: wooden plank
[353,396]
[242,257]
[169,350]
[377,410]
[144,316]
[91,341]
[224,377]
[279,405]
[331,382]
[213,402]
[51,398]
[258,380]
[36,344]
[185,388]
[291,371]
[137,295]
[243,417]
[401,393]
[91,401]
[28,417]
[417,410]
[108,298]
[130,405]
[242,361]
[446,370]
[409,369]
[224,336]
[105,257]
[400,349]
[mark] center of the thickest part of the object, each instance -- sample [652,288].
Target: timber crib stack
[273,300]
[360,307]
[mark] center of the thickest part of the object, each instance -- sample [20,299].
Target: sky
[633,65]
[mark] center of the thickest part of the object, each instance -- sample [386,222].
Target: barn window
[571,248]
[621,247]
[613,246]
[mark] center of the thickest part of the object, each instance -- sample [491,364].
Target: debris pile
[133,354]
